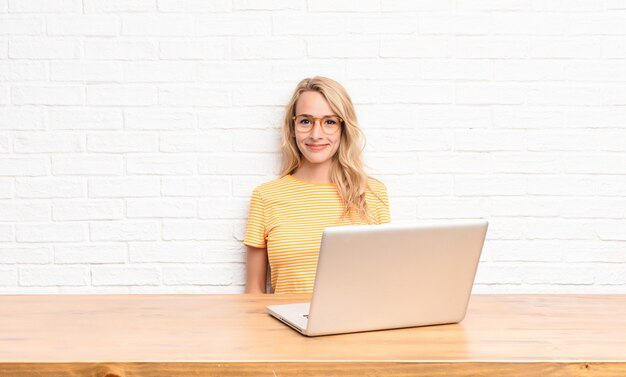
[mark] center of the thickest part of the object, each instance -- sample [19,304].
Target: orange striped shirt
[287,216]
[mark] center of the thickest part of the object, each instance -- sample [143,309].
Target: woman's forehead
[313,103]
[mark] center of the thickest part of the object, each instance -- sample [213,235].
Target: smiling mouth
[316,147]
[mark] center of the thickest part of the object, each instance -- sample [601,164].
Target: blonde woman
[322,184]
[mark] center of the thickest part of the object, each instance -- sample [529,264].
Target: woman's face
[316,146]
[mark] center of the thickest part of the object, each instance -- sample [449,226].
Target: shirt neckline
[311,183]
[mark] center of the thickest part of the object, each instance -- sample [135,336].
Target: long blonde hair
[347,170]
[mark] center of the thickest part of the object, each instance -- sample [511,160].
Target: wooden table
[231,335]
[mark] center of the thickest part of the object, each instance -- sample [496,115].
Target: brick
[611,230]
[593,207]
[193,96]
[403,209]
[422,94]
[246,48]
[383,70]
[24,210]
[199,275]
[417,47]
[490,48]
[483,141]
[514,23]
[178,164]
[161,208]
[479,5]
[566,185]
[559,47]
[111,6]
[613,47]
[127,275]
[238,117]
[90,253]
[567,6]
[126,142]
[197,49]
[288,72]
[63,210]
[82,71]
[296,24]
[521,70]
[124,231]
[498,273]
[244,184]
[526,251]
[251,71]
[418,185]
[241,164]
[45,6]
[124,187]
[234,25]
[23,166]
[333,47]
[223,208]
[563,141]
[169,252]
[565,95]
[22,71]
[25,255]
[157,25]
[160,120]
[7,233]
[380,24]
[47,95]
[50,232]
[91,119]
[161,71]
[87,165]
[610,273]
[53,276]
[189,230]
[269,4]
[487,94]
[410,5]
[102,95]
[207,141]
[523,207]
[20,26]
[504,118]
[13,119]
[595,163]
[474,70]
[467,163]
[388,164]
[611,141]
[453,24]
[256,141]
[194,6]
[44,48]
[452,208]
[452,117]
[555,229]
[481,185]
[115,49]
[611,185]
[6,188]
[407,141]
[48,142]
[8,277]
[534,163]
[83,25]
[343,6]
[196,186]
[556,273]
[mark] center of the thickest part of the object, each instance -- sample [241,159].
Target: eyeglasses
[330,123]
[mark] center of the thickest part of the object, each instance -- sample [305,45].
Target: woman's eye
[330,122]
[304,121]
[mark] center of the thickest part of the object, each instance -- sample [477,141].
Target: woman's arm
[256,270]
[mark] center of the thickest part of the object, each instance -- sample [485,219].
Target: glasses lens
[330,124]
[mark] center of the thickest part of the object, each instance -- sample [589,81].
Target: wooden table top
[236,328]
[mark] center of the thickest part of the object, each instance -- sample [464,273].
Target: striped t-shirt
[287,216]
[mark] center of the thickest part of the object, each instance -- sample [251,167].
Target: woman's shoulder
[269,188]
[376,185]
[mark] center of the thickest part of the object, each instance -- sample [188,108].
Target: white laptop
[375,277]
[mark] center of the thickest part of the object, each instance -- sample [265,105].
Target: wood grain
[185,335]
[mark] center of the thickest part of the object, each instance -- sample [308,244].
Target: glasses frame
[321,120]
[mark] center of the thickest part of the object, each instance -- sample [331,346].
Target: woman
[322,184]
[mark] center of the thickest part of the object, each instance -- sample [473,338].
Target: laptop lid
[374,277]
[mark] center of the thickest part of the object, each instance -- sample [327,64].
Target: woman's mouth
[316,147]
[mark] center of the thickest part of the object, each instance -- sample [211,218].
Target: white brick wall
[132,133]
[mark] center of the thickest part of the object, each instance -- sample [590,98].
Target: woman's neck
[314,173]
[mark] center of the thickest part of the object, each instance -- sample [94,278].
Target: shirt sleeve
[384,216]
[255,232]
